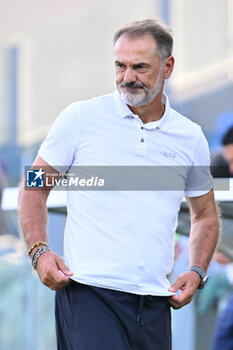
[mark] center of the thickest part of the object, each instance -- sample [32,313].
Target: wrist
[202,274]
[35,246]
[37,255]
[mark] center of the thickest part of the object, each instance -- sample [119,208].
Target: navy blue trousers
[93,318]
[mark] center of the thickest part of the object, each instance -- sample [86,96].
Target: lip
[132,89]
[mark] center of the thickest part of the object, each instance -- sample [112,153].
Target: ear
[168,66]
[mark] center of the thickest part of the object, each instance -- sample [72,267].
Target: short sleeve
[199,179]
[60,146]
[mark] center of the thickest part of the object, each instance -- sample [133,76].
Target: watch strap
[202,273]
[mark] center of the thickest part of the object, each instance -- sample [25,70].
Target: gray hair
[158,29]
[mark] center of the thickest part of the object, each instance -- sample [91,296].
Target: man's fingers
[177,285]
[173,304]
[182,297]
[52,278]
[52,271]
[187,283]
[62,267]
[57,279]
[178,301]
[177,306]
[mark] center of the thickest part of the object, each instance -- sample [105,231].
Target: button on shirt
[124,240]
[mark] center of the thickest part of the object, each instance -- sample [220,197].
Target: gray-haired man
[113,293]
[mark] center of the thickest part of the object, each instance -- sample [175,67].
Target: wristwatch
[203,275]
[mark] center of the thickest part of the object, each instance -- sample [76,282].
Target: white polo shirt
[124,240]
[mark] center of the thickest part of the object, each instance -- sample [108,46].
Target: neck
[151,112]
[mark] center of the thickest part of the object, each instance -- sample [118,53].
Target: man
[227,142]
[223,338]
[222,162]
[119,245]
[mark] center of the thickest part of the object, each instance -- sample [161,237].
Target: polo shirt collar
[124,111]
[122,108]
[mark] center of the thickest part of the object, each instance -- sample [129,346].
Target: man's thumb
[62,266]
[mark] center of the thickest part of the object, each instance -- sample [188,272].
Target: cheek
[146,80]
[119,77]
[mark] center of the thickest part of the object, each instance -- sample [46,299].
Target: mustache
[132,84]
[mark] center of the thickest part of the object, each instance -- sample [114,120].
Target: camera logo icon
[35,178]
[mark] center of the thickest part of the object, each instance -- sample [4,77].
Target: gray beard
[143,98]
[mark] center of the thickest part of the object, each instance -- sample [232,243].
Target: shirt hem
[121,288]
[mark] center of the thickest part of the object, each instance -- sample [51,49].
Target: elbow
[27,198]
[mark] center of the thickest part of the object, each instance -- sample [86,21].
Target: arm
[33,221]
[202,243]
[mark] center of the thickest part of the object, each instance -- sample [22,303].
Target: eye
[119,67]
[141,68]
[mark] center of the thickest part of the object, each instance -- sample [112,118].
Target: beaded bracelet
[37,254]
[36,245]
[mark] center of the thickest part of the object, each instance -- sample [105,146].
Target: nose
[129,75]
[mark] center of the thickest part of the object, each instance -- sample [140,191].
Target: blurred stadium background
[54,52]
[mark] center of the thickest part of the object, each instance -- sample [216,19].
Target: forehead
[141,48]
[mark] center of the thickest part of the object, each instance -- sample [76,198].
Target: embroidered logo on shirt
[169,154]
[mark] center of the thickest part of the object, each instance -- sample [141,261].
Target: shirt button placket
[142,141]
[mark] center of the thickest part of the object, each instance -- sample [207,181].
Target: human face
[228,154]
[139,74]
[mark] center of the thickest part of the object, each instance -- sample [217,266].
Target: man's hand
[52,271]
[188,283]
